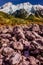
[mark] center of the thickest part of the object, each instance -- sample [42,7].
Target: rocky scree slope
[21,45]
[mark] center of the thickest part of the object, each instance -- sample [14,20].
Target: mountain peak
[40,6]
[9,7]
[28,3]
[7,4]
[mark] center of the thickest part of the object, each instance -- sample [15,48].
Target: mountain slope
[22,13]
[11,20]
[11,8]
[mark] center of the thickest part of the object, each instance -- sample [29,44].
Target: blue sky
[20,1]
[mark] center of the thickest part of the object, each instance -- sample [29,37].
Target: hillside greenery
[7,19]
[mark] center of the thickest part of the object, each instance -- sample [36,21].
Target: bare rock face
[17,45]
[1,59]
[35,28]
[6,29]
[4,42]
[7,51]
[18,32]
[25,42]
[29,35]
[21,45]
[15,59]
[33,61]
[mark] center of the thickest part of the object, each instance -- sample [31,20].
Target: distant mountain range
[21,13]
[31,9]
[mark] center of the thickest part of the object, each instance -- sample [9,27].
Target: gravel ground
[21,45]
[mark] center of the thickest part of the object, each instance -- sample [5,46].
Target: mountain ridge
[23,13]
[11,8]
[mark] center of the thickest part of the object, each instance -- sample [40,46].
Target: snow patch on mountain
[10,8]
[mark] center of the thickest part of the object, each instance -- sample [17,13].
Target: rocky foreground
[21,45]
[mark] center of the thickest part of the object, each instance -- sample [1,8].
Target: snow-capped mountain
[11,8]
[8,8]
